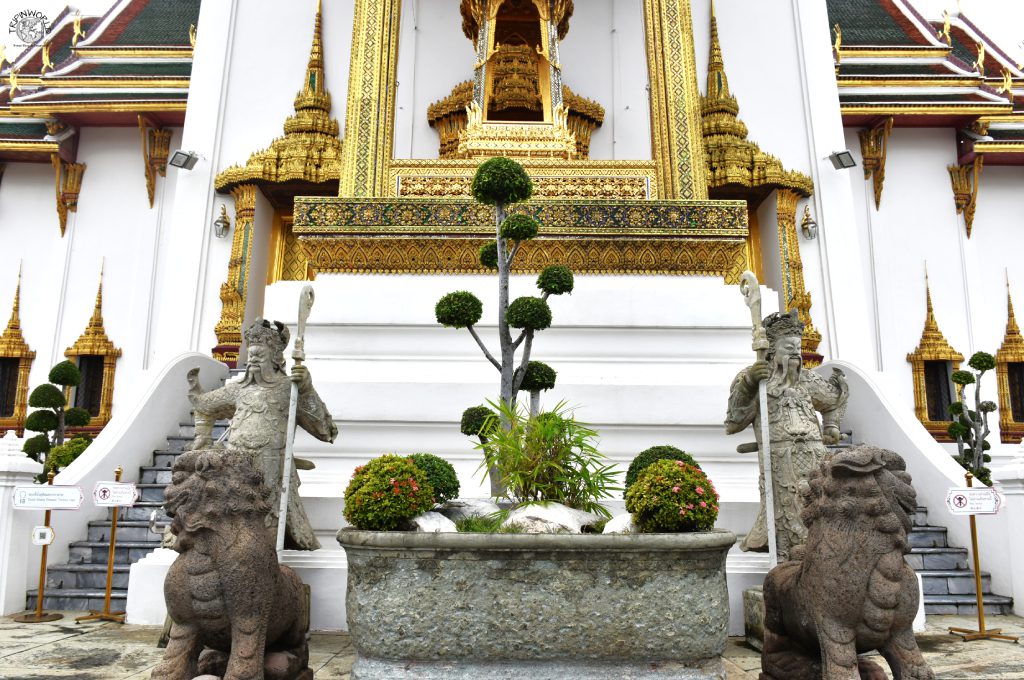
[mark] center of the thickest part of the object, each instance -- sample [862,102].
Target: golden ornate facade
[1010,352]
[13,346]
[94,343]
[933,346]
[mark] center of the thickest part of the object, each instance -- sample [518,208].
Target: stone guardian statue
[797,441]
[258,407]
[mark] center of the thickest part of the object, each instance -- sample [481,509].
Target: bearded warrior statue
[797,438]
[258,407]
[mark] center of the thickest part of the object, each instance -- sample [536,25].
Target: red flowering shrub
[670,496]
[386,492]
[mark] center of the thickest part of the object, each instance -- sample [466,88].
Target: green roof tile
[19,129]
[161,22]
[115,68]
[865,22]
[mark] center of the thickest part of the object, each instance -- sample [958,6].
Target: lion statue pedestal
[848,590]
[237,613]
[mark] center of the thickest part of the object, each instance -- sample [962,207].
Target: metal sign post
[115,496]
[38,616]
[962,500]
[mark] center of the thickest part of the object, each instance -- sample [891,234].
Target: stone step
[165,458]
[78,599]
[150,474]
[177,442]
[151,492]
[937,558]
[189,429]
[96,552]
[920,516]
[141,511]
[967,605]
[87,576]
[127,530]
[927,537]
[953,582]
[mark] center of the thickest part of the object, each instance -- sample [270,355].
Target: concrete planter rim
[716,539]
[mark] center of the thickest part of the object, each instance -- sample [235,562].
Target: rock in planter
[620,524]
[462,508]
[432,522]
[437,606]
[550,518]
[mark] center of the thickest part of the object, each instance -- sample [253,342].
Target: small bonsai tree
[500,182]
[970,427]
[51,416]
[440,474]
[671,496]
[654,454]
[387,492]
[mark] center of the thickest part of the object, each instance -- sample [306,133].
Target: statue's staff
[298,356]
[751,290]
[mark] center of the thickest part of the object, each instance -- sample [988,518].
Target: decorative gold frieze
[287,258]
[1011,351]
[794,290]
[156,144]
[451,255]
[873,145]
[233,291]
[965,180]
[933,346]
[94,343]
[68,185]
[13,346]
[310,149]
[481,140]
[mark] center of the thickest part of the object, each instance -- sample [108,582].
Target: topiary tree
[387,492]
[671,496]
[970,427]
[539,376]
[473,420]
[653,455]
[501,182]
[440,474]
[51,415]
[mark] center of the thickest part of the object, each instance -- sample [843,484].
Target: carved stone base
[753,617]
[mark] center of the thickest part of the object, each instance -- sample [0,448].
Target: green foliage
[671,496]
[501,180]
[529,312]
[548,458]
[987,406]
[555,280]
[386,492]
[65,454]
[956,408]
[982,361]
[440,474]
[76,417]
[539,376]
[519,227]
[47,396]
[491,524]
[652,455]
[473,420]
[43,420]
[34,446]
[957,429]
[65,374]
[489,255]
[459,309]
[962,377]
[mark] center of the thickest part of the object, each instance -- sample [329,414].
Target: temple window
[89,393]
[96,358]
[937,389]
[8,386]
[1015,375]
[932,363]
[1010,378]
[15,363]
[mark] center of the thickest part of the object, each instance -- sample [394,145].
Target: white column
[16,469]
[1009,480]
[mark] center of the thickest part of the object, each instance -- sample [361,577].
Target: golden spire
[12,342]
[314,94]
[933,345]
[718,83]
[94,340]
[97,312]
[1012,330]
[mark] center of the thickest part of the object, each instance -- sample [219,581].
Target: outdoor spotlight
[808,226]
[222,223]
[842,160]
[186,160]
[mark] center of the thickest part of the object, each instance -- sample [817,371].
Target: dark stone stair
[946,573]
[80,584]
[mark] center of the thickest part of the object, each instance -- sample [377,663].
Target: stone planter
[537,606]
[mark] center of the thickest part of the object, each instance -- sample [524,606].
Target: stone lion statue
[848,590]
[236,613]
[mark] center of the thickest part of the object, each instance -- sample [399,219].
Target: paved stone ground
[108,651]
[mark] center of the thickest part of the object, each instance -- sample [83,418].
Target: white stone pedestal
[146,606]
[16,469]
[1009,480]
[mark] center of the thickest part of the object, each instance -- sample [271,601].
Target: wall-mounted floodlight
[186,160]
[842,160]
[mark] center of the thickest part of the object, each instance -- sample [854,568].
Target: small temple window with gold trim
[8,386]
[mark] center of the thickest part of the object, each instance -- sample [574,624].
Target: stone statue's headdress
[262,332]
[778,325]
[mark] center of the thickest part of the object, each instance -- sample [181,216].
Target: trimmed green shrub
[47,396]
[962,377]
[386,492]
[65,454]
[473,420]
[501,180]
[440,474]
[671,496]
[519,227]
[76,417]
[982,361]
[41,421]
[956,429]
[654,454]
[489,255]
[529,312]
[555,280]
[66,374]
[459,309]
[539,376]
[35,446]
